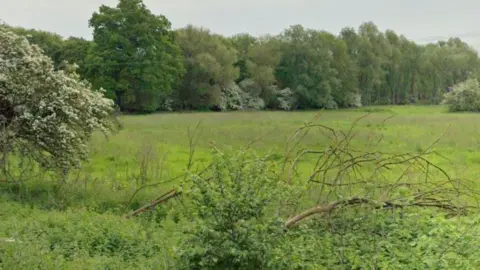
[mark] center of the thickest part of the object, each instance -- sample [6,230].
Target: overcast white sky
[419,20]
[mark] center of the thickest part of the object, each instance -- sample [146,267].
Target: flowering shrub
[464,97]
[46,114]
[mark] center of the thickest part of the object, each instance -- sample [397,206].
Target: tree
[372,47]
[45,114]
[75,51]
[134,56]
[230,225]
[317,67]
[50,43]
[243,44]
[209,63]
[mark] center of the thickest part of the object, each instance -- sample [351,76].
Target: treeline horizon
[145,66]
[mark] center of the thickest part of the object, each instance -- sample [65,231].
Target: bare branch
[167,196]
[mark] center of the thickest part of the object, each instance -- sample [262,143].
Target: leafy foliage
[144,65]
[134,56]
[231,226]
[77,239]
[210,69]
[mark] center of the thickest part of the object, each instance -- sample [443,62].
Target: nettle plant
[45,114]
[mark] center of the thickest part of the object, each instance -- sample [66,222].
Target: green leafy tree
[372,47]
[317,67]
[243,44]
[134,56]
[210,68]
[75,51]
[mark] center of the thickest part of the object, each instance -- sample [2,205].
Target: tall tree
[135,56]
[317,67]
[210,68]
[243,44]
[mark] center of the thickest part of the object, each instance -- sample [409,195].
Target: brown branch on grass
[146,186]
[328,208]
[162,199]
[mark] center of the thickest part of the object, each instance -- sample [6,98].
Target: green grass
[155,148]
[164,137]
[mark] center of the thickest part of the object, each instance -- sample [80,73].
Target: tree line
[147,66]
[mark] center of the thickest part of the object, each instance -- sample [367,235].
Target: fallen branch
[325,209]
[167,196]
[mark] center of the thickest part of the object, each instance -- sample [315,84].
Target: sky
[420,20]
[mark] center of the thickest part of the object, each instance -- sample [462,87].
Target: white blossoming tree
[45,114]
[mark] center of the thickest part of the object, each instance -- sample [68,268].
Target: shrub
[285,99]
[232,98]
[235,98]
[232,228]
[464,97]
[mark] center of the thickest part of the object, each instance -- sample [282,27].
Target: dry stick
[145,186]
[157,184]
[191,143]
[167,196]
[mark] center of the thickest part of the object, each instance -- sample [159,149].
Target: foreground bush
[231,227]
[465,97]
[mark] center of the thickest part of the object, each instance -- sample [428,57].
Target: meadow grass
[160,142]
[155,148]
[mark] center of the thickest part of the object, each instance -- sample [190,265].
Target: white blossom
[51,114]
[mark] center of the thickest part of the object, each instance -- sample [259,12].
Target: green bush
[232,228]
[465,97]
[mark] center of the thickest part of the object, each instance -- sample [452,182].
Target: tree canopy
[134,56]
[146,66]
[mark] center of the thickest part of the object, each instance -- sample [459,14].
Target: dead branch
[149,185]
[328,208]
[164,198]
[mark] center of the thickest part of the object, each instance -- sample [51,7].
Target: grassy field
[161,142]
[155,148]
